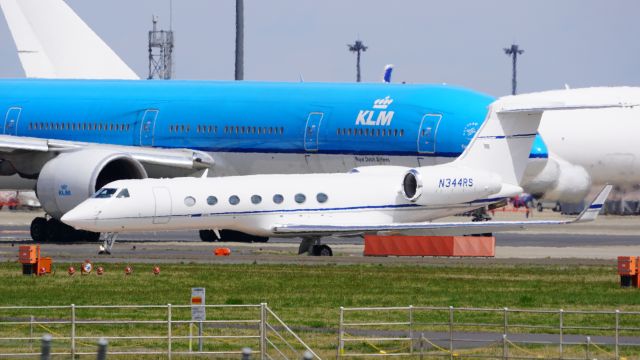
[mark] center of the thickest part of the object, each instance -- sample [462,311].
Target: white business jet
[368,200]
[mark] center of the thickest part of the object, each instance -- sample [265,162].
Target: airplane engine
[440,185]
[70,178]
[560,180]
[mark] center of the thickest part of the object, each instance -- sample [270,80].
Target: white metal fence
[448,332]
[151,330]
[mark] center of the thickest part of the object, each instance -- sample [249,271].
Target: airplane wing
[178,158]
[53,42]
[590,213]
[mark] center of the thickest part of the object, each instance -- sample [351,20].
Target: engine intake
[70,178]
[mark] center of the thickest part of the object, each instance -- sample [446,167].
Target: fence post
[411,328]
[31,333]
[505,347]
[506,321]
[102,349]
[341,334]
[421,346]
[450,332]
[169,331]
[246,353]
[45,351]
[73,331]
[588,352]
[263,330]
[617,334]
[561,333]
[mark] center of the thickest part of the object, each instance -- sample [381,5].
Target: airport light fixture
[358,47]
[513,51]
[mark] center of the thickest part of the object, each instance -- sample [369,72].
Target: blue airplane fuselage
[345,124]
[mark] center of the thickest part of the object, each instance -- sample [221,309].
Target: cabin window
[105,193]
[189,201]
[256,199]
[124,193]
[300,198]
[212,200]
[322,198]
[278,199]
[234,200]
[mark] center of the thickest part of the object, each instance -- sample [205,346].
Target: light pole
[513,51]
[357,48]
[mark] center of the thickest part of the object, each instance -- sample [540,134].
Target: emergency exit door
[147,127]
[162,213]
[428,132]
[312,131]
[11,121]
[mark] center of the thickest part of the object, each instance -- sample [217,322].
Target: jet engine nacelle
[70,178]
[445,184]
[560,180]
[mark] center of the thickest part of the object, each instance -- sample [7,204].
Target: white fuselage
[371,197]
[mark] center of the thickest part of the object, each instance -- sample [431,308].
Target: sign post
[198,311]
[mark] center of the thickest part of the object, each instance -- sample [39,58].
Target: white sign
[198,312]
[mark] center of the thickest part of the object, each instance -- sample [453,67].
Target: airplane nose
[79,219]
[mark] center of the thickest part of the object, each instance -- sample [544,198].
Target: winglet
[591,212]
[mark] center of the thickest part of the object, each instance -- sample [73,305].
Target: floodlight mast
[513,51]
[239,73]
[357,47]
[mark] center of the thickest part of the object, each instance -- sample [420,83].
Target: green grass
[308,297]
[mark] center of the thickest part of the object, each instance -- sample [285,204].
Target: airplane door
[11,121]
[312,130]
[427,133]
[147,127]
[162,198]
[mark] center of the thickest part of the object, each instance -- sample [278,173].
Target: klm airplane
[74,136]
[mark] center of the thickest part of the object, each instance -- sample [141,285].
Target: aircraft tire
[321,250]
[207,235]
[38,229]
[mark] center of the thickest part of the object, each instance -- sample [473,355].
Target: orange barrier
[629,271]
[222,251]
[468,246]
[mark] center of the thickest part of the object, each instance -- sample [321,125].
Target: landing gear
[52,230]
[39,229]
[208,236]
[107,244]
[313,247]
[230,235]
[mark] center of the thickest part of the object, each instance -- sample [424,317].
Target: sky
[576,42]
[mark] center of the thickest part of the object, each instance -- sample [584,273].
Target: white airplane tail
[53,42]
[503,142]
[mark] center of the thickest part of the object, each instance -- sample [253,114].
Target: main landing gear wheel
[321,250]
[39,229]
[313,247]
[208,236]
[52,230]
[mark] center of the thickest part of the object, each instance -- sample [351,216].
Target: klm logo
[379,116]
[64,190]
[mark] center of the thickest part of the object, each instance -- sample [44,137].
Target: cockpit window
[124,193]
[105,193]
